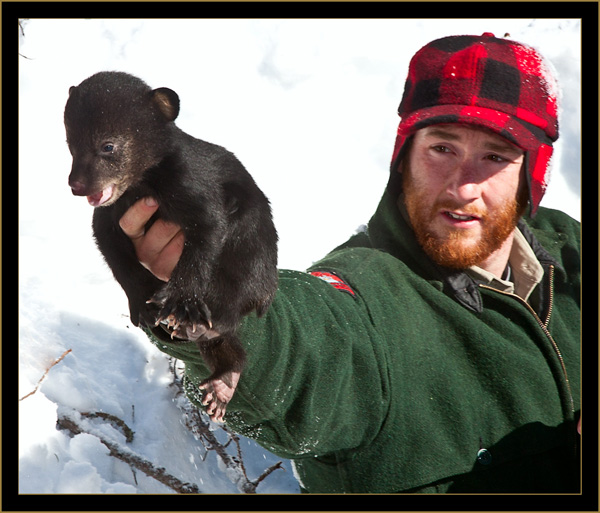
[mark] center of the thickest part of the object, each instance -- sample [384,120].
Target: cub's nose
[78,188]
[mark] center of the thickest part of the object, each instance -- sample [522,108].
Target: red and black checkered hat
[495,83]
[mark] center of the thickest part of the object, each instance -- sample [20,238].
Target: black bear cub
[125,146]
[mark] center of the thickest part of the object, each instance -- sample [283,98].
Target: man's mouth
[461,220]
[460,217]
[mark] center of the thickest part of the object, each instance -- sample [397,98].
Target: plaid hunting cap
[494,83]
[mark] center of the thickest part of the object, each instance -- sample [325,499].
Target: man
[438,351]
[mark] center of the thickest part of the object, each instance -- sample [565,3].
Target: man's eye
[441,148]
[496,158]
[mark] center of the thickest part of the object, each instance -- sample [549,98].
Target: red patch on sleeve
[334,280]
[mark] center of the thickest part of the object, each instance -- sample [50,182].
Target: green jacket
[400,376]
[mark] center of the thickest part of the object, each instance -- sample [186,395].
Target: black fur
[123,140]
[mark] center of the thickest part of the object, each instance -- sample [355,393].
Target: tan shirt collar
[526,271]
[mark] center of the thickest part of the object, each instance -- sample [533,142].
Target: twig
[250,486]
[272,468]
[115,421]
[45,374]
[201,430]
[21,26]
[193,420]
[129,457]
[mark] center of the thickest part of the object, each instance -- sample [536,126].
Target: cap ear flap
[401,150]
[167,102]
[538,172]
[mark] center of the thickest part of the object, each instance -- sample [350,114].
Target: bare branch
[45,374]
[80,422]
[267,472]
[115,421]
[201,430]
[128,456]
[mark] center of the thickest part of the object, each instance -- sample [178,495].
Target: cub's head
[116,129]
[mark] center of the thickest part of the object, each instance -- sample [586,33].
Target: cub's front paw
[184,318]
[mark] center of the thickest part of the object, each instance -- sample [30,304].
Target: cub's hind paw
[217,394]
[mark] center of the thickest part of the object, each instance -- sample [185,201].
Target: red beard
[456,248]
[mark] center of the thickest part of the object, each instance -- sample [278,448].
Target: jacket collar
[390,231]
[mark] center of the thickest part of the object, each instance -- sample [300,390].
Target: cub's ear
[167,102]
[71,89]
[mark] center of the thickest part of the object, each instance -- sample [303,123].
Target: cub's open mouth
[100,197]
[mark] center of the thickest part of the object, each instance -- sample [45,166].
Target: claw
[173,322]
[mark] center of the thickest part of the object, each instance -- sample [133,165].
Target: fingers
[158,249]
[135,219]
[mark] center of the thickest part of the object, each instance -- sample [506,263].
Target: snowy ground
[309,106]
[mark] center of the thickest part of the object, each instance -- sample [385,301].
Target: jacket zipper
[551,293]
[544,326]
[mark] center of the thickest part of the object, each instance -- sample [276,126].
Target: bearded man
[438,350]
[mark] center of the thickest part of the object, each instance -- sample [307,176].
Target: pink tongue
[100,197]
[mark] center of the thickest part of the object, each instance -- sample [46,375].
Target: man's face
[464,192]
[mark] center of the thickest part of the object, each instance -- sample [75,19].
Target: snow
[312,118]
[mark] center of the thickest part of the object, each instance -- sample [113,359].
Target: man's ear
[167,102]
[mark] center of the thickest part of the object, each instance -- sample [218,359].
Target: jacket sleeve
[316,379]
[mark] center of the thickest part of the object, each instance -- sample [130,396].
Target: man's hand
[158,249]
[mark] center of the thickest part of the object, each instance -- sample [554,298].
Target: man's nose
[463,183]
